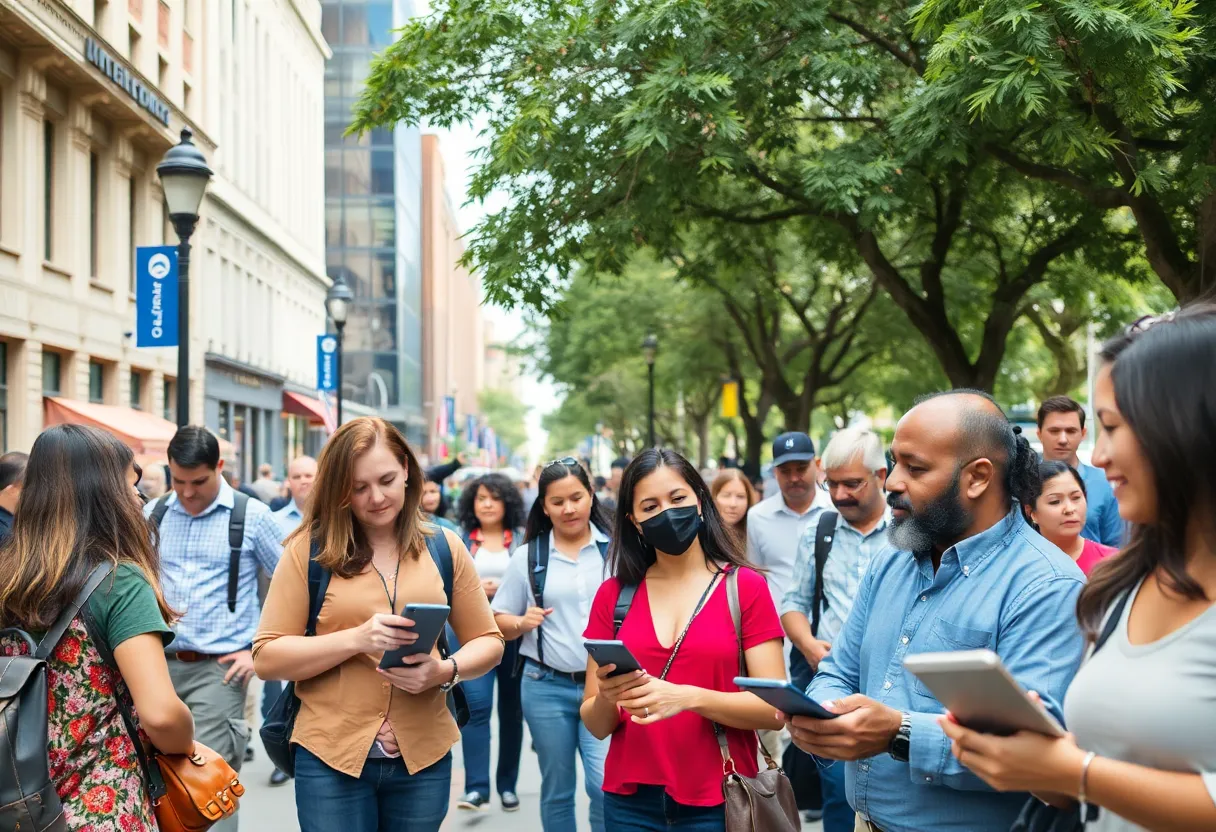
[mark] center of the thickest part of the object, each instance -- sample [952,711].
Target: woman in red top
[664,768]
[1058,509]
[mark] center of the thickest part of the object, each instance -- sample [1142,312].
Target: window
[3,397]
[97,382]
[137,390]
[52,373]
[135,51]
[170,398]
[100,16]
[132,197]
[48,187]
[94,196]
[162,73]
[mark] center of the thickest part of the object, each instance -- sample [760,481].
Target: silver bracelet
[1081,796]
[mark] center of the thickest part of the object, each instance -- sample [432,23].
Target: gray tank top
[1149,704]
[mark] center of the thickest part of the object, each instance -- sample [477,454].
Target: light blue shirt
[289,517]
[848,561]
[1006,589]
[1102,521]
[194,558]
[570,588]
[773,532]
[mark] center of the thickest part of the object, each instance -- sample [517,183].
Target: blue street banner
[327,363]
[470,432]
[156,296]
[450,403]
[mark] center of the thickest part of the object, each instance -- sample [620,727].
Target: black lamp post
[183,178]
[650,348]
[337,304]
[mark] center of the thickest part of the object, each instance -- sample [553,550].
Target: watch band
[901,744]
[447,686]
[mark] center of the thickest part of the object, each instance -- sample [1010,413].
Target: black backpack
[236,538]
[28,800]
[538,571]
[281,721]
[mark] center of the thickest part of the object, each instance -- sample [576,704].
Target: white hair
[851,444]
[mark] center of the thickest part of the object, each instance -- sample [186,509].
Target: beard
[939,524]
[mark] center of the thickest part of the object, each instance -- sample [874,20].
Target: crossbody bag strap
[736,617]
[53,636]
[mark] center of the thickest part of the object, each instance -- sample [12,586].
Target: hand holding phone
[426,621]
[384,632]
[612,652]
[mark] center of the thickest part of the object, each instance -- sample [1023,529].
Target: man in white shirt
[775,526]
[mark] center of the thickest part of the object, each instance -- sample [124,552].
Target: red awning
[306,406]
[147,434]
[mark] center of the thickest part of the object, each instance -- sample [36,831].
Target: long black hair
[1164,377]
[540,524]
[629,555]
[1049,469]
[503,490]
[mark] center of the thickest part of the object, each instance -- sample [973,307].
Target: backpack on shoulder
[236,537]
[28,799]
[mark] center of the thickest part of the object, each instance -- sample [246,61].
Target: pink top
[681,753]
[1091,553]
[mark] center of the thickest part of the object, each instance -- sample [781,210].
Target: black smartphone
[784,697]
[428,624]
[612,652]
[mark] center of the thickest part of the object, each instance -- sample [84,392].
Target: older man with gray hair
[833,556]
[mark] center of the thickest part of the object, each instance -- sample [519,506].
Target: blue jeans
[385,798]
[476,734]
[838,815]
[651,810]
[551,707]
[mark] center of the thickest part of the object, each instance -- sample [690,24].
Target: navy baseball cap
[792,447]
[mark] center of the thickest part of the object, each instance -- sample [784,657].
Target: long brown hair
[77,510]
[329,518]
[735,475]
[1165,388]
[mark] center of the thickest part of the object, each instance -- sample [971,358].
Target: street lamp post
[650,348]
[337,304]
[183,178]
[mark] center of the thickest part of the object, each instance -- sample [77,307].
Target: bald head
[300,476]
[979,427]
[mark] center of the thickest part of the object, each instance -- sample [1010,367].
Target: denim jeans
[385,798]
[476,734]
[838,816]
[551,707]
[651,810]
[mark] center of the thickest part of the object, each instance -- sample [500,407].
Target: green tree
[503,411]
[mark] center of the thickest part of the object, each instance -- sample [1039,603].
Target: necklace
[392,599]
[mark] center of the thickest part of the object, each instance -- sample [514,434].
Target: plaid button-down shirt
[194,571]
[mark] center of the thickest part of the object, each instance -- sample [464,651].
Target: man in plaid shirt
[212,659]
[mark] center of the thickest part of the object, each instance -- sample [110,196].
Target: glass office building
[373,221]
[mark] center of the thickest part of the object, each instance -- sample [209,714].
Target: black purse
[1037,816]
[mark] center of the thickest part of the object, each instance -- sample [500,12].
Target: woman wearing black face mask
[672,554]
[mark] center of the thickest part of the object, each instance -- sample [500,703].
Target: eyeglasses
[566,460]
[848,485]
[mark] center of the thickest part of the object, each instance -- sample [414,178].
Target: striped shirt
[194,568]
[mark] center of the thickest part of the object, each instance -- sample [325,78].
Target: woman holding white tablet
[1143,747]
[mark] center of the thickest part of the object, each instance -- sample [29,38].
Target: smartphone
[428,624]
[981,694]
[784,697]
[612,652]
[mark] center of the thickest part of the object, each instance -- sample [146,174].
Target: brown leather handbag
[764,803]
[195,792]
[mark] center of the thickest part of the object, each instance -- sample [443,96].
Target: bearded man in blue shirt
[967,572]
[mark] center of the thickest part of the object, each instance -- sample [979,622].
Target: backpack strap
[1112,622]
[623,602]
[159,508]
[538,570]
[825,532]
[318,583]
[602,545]
[52,637]
[236,540]
[441,553]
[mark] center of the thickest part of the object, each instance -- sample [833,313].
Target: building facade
[453,350]
[92,94]
[373,221]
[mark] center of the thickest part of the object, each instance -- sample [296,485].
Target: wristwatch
[447,686]
[901,744]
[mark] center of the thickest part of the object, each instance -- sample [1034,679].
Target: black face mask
[673,531]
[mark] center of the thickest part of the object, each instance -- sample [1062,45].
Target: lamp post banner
[327,363]
[156,296]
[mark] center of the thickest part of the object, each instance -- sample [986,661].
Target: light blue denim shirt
[1006,589]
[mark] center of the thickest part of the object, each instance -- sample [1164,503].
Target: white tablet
[981,694]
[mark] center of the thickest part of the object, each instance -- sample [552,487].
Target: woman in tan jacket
[372,747]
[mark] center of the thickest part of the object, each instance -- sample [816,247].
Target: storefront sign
[124,78]
[327,363]
[156,296]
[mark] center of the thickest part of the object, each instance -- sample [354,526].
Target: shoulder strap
[602,545]
[51,639]
[318,583]
[236,540]
[1112,621]
[441,552]
[825,532]
[159,508]
[538,570]
[623,602]
[736,617]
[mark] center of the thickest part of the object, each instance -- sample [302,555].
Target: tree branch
[908,59]
[1102,197]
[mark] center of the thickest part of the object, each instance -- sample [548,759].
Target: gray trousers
[219,714]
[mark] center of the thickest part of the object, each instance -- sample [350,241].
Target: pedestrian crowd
[615,617]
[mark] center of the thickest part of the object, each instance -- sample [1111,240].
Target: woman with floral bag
[79,509]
